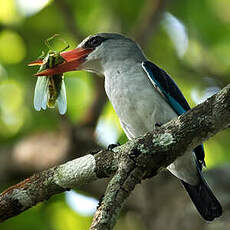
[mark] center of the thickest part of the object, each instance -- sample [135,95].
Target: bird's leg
[100,201]
[112,146]
[93,152]
[158,124]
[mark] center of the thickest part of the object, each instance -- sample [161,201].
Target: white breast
[139,107]
[135,100]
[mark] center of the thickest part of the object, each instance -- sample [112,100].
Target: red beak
[73,59]
[37,62]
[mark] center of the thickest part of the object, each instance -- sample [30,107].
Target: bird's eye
[94,42]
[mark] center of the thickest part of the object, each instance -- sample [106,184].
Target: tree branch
[119,188]
[69,19]
[94,110]
[130,162]
[43,185]
[149,20]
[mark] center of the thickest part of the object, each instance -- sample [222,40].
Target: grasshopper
[50,89]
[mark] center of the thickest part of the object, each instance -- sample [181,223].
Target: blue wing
[168,88]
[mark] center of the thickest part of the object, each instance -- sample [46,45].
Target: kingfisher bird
[143,96]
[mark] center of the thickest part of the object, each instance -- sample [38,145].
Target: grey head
[110,49]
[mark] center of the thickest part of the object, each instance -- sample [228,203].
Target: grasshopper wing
[61,100]
[41,93]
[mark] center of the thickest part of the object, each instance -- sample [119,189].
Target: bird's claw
[158,124]
[112,146]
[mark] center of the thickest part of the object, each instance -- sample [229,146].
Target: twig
[148,21]
[94,110]
[69,19]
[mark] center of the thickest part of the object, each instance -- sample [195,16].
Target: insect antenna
[48,40]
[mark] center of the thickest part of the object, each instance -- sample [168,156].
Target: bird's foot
[158,124]
[112,146]
[93,152]
[100,201]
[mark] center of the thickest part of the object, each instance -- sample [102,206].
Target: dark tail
[204,200]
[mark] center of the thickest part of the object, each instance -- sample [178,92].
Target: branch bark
[43,185]
[130,162]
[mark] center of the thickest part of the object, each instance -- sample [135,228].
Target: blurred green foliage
[23,30]
[54,214]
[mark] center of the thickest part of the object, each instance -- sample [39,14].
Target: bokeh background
[189,39]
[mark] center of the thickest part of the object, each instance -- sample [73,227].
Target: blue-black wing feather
[166,85]
[174,97]
[201,195]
